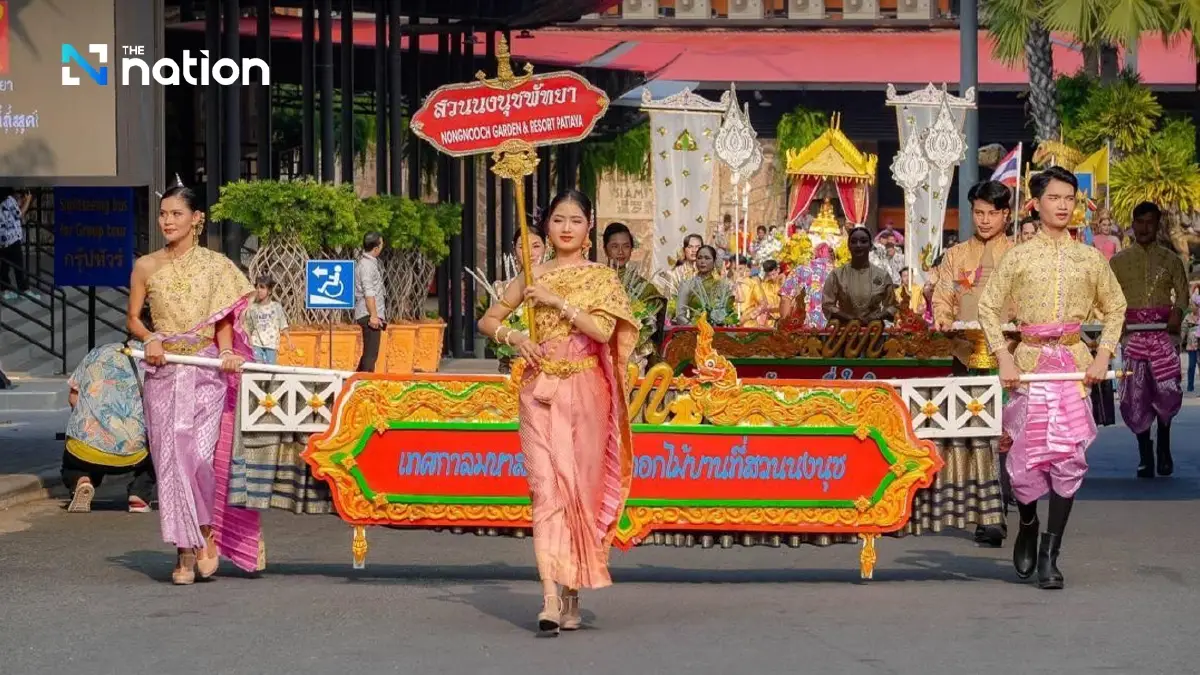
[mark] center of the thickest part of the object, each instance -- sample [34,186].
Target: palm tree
[1101,26]
[1018,35]
[1186,21]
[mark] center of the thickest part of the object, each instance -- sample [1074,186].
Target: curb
[22,488]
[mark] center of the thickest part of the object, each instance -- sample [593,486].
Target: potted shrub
[418,237]
[296,221]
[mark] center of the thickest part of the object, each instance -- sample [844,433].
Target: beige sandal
[209,559]
[550,618]
[184,573]
[571,619]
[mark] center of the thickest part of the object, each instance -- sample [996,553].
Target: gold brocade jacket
[1052,281]
[963,275]
[1151,276]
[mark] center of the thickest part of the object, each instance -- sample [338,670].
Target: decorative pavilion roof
[833,155]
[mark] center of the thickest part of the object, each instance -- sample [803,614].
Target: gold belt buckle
[564,368]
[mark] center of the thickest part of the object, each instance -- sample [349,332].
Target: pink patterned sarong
[1153,390]
[1050,424]
[189,421]
[570,439]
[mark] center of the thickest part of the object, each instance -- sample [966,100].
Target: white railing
[963,407]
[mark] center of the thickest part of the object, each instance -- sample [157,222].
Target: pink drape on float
[804,188]
[855,199]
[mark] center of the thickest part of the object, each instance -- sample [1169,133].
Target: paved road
[90,593]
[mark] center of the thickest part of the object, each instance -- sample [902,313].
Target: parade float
[807,348]
[722,458]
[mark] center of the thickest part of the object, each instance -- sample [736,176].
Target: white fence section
[950,407]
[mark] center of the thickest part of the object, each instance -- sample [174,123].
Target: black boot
[991,535]
[1025,545]
[1145,455]
[1049,578]
[1166,465]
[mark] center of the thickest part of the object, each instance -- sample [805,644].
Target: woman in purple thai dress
[196,297]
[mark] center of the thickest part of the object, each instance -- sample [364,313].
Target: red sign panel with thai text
[478,117]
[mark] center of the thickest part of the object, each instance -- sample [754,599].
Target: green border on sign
[874,434]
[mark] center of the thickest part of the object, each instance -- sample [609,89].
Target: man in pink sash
[1054,282]
[1155,284]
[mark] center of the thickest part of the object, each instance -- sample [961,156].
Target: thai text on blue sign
[94,230]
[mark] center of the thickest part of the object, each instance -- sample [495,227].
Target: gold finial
[505,77]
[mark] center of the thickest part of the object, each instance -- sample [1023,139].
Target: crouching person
[106,432]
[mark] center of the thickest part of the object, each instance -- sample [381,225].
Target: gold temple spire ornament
[505,77]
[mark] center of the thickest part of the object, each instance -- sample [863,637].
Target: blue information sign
[329,284]
[94,231]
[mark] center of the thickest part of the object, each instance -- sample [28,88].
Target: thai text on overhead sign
[476,117]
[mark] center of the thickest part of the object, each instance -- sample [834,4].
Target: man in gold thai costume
[964,274]
[1155,285]
[1055,283]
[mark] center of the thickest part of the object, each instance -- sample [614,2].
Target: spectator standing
[13,206]
[267,321]
[370,303]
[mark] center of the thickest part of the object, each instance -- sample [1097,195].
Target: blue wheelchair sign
[329,284]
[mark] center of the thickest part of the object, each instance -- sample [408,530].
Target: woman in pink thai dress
[574,418]
[196,297]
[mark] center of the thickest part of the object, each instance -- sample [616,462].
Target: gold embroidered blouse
[1052,281]
[189,290]
[867,294]
[1151,276]
[965,271]
[593,288]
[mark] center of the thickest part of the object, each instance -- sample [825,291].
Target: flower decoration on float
[797,251]
[842,253]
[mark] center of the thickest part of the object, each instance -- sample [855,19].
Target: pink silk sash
[1051,420]
[1156,346]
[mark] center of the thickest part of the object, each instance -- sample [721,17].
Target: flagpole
[1107,171]
[1017,200]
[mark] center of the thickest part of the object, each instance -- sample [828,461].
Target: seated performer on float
[858,290]
[1156,287]
[706,293]
[760,304]
[963,275]
[649,306]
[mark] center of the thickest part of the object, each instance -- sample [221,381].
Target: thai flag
[1009,169]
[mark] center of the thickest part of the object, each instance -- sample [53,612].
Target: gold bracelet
[508,337]
[496,333]
[566,306]
[574,315]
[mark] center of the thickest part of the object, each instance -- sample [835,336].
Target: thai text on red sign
[475,118]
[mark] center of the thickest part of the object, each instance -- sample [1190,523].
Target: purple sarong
[189,421]
[1050,424]
[1153,387]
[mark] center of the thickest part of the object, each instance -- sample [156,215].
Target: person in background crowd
[859,290]
[1106,239]
[1156,290]
[370,302]
[106,430]
[706,293]
[1191,334]
[267,322]
[1054,283]
[888,254]
[13,206]
[760,235]
[1029,228]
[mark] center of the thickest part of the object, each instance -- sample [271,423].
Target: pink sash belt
[1155,346]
